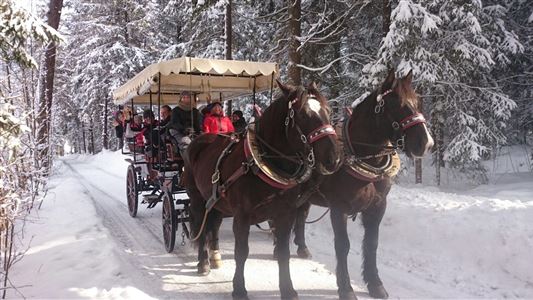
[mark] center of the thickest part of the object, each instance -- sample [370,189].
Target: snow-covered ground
[475,243]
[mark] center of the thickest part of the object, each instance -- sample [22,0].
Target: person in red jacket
[216,122]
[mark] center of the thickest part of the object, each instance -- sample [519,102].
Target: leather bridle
[314,136]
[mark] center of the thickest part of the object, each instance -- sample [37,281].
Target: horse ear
[389,81]
[313,86]
[408,79]
[284,88]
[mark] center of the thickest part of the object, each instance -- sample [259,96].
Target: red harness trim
[412,120]
[360,176]
[321,132]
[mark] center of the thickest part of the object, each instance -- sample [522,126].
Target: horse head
[391,114]
[308,128]
[400,107]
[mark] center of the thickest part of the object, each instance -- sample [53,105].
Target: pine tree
[108,44]
[452,50]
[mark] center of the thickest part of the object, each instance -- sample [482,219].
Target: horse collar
[261,168]
[364,171]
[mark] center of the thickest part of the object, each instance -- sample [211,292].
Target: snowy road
[84,244]
[141,238]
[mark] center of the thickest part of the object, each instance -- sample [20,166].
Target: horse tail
[196,206]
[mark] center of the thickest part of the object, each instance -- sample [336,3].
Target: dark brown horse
[292,137]
[388,116]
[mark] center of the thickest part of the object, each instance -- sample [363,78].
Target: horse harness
[259,166]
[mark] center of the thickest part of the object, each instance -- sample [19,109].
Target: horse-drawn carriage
[156,176]
[262,175]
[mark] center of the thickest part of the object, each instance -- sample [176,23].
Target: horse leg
[371,219]
[274,239]
[299,230]
[342,247]
[283,232]
[215,259]
[241,230]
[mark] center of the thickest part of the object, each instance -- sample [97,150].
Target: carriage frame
[159,180]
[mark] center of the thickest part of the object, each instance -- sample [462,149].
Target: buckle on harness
[216,177]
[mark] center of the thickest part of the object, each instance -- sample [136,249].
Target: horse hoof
[215,259]
[350,295]
[203,269]
[290,296]
[236,296]
[377,291]
[304,253]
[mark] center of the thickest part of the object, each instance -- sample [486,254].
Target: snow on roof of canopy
[203,77]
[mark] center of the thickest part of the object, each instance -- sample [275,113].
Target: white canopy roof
[217,78]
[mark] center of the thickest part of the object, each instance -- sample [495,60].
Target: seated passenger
[184,121]
[166,111]
[238,121]
[150,133]
[216,122]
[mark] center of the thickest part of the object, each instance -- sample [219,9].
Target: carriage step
[182,201]
[151,198]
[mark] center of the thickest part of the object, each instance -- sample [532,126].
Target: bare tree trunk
[386,16]
[47,87]
[7,241]
[105,131]
[418,161]
[91,133]
[229,41]
[438,133]
[295,31]
[83,137]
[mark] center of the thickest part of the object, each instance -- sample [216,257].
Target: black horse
[292,136]
[387,119]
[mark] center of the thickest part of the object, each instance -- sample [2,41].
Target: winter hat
[148,113]
[238,113]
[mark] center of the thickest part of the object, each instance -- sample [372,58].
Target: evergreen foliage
[471,59]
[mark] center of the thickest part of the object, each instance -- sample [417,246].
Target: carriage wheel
[131,192]
[170,222]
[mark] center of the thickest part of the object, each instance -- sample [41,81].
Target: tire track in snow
[142,251]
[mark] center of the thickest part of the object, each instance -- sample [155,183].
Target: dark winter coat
[180,120]
[240,125]
[119,131]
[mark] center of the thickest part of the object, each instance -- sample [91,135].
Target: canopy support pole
[254,91]
[131,122]
[271,86]
[158,121]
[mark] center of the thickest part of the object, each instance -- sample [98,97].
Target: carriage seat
[130,143]
[172,150]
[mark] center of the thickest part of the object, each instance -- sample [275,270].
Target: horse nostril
[332,160]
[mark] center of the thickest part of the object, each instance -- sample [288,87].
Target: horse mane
[407,93]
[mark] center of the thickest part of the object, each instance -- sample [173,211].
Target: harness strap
[245,167]
[215,178]
[412,120]
[321,132]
